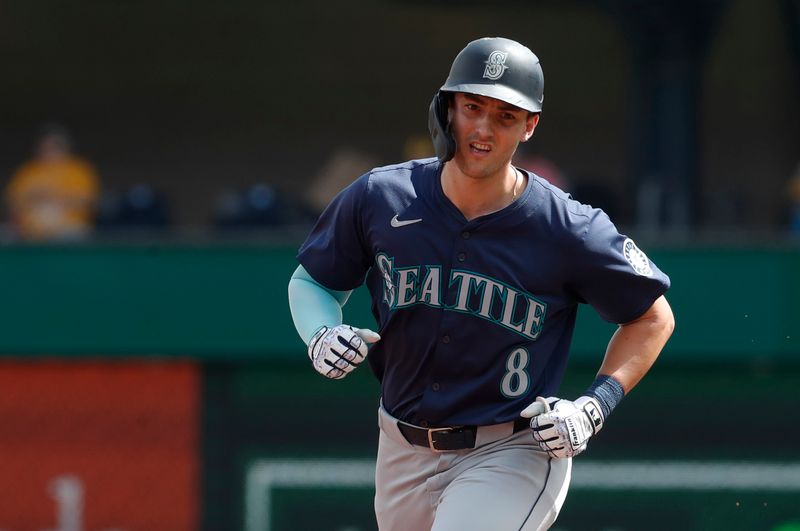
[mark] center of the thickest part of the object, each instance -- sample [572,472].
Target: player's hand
[336,351]
[562,428]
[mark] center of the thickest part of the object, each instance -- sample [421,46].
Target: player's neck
[479,196]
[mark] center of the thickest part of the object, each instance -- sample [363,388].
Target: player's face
[487,132]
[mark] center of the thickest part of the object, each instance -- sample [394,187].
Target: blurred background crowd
[675,117]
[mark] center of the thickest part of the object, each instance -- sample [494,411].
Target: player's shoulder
[387,184]
[562,212]
[404,170]
[552,200]
[404,177]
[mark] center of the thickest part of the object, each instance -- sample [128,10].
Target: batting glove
[336,351]
[562,428]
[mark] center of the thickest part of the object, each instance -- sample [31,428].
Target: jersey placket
[434,403]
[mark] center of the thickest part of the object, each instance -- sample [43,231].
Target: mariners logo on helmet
[495,65]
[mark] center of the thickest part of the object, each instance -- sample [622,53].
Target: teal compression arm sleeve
[313,305]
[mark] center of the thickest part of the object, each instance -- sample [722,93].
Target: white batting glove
[562,428]
[336,351]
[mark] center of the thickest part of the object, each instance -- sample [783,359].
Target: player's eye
[471,107]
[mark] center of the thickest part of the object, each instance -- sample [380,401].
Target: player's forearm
[635,346]
[312,305]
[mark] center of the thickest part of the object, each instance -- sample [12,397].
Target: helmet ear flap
[439,126]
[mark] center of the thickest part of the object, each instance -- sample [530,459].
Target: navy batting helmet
[495,67]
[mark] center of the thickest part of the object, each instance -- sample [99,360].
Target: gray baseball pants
[504,484]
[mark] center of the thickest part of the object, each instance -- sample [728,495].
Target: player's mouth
[476,147]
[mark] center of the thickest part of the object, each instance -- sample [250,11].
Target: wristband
[607,391]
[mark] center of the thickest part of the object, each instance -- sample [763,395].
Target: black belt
[448,439]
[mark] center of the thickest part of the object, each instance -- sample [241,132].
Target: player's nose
[483,127]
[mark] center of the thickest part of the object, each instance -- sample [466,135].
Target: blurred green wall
[228,302]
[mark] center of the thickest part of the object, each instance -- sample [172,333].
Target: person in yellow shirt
[53,196]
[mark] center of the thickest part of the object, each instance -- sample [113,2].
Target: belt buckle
[431,444]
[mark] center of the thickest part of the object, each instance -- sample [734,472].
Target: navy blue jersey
[476,317]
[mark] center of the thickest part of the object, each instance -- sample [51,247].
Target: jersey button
[446,339]
[435,387]
[462,257]
[465,235]
[423,423]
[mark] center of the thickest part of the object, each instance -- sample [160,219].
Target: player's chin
[474,157]
[478,167]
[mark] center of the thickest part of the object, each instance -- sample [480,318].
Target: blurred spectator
[257,206]
[418,146]
[138,207]
[53,196]
[336,173]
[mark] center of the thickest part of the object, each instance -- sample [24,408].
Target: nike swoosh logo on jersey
[397,223]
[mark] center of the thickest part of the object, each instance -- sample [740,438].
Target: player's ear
[530,125]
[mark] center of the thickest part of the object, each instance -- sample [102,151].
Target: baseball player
[476,269]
